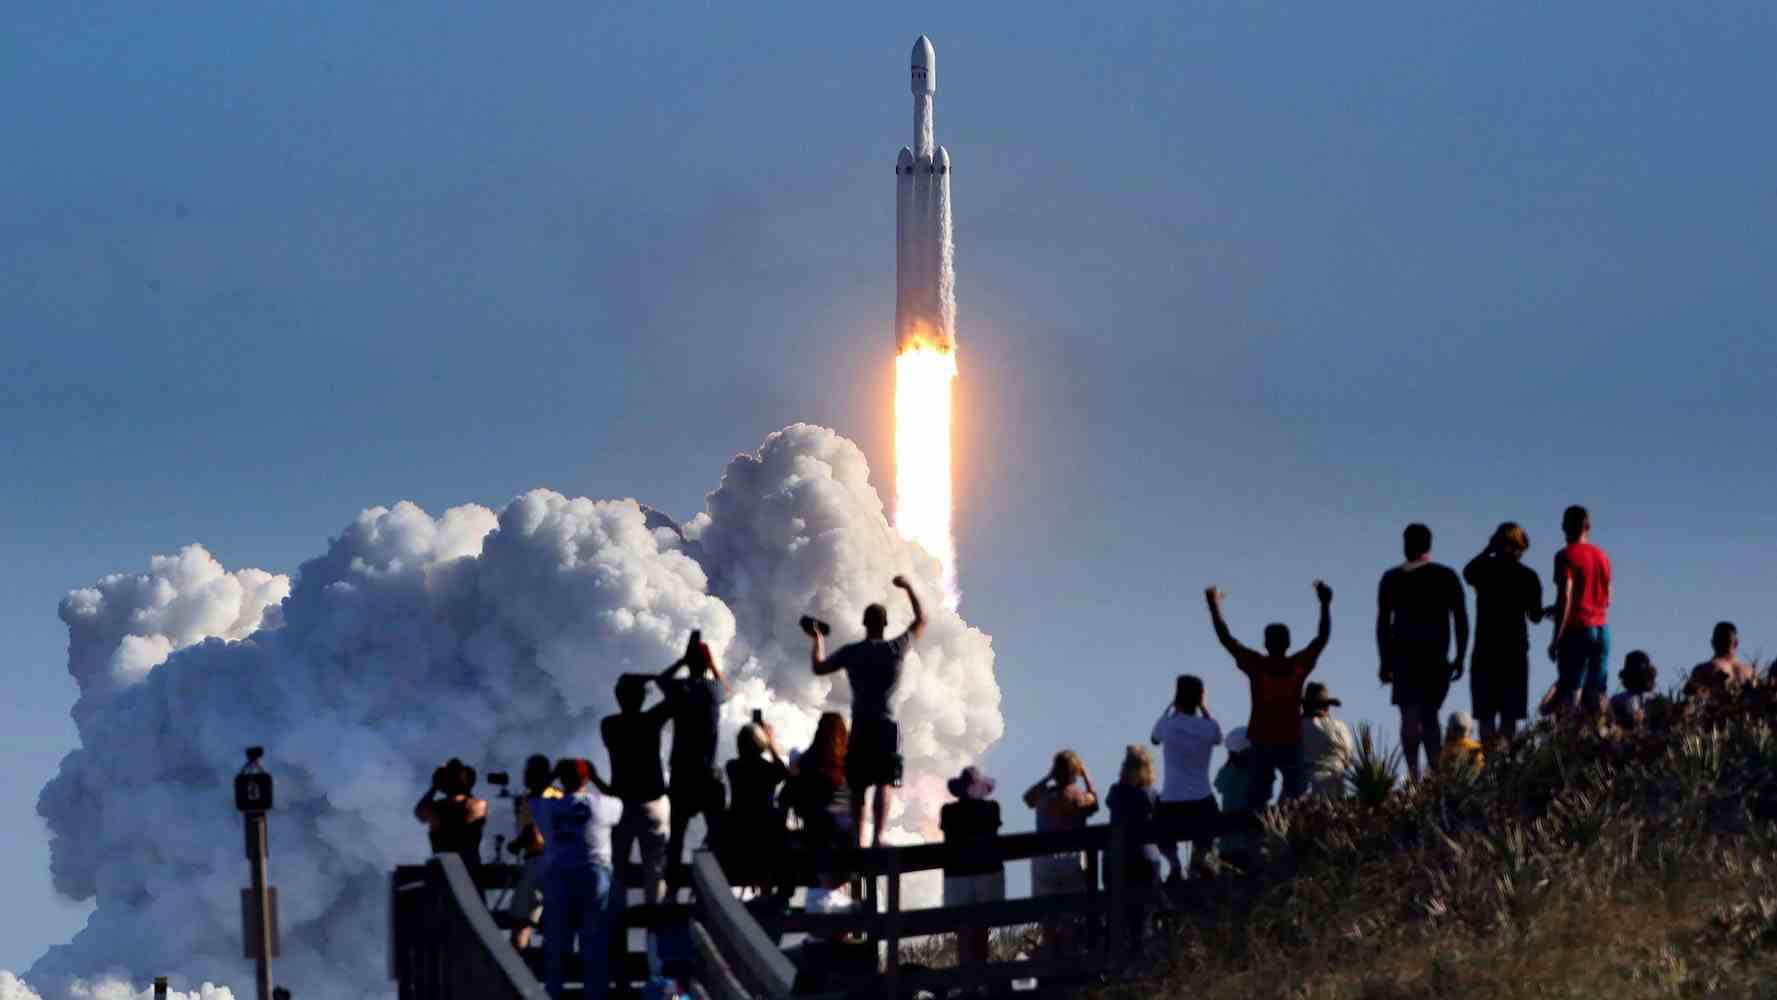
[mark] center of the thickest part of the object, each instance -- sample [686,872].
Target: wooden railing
[443,942]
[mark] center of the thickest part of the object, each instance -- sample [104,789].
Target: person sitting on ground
[1133,802]
[1188,736]
[974,875]
[1724,672]
[1461,749]
[754,827]
[1415,605]
[1232,784]
[1508,600]
[632,739]
[525,908]
[580,898]
[1063,800]
[696,786]
[873,666]
[1628,709]
[454,817]
[1326,742]
[816,788]
[1276,676]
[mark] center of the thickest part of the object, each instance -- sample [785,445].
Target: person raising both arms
[1416,603]
[873,666]
[1276,676]
[1581,644]
[695,787]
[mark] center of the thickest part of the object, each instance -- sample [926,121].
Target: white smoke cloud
[13,988]
[481,634]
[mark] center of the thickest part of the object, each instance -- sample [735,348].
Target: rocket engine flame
[922,455]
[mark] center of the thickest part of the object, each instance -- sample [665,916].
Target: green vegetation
[1583,863]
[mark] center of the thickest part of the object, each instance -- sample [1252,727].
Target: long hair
[1066,768]
[826,754]
[1138,767]
[702,661]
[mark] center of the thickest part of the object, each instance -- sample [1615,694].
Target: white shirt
[577,828]
[1188,742]
[1326,750]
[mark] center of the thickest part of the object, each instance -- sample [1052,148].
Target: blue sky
[1243,289]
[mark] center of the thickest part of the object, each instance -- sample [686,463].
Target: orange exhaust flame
[922,454]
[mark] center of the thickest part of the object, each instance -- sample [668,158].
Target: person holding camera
[632,739]
[696,704]
[580,898]
[454,817]
[1188,736]
[1276,675]
[525,908]
[873,666]
[1508,600]
[754,826]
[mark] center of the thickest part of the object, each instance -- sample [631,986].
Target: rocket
[925,269]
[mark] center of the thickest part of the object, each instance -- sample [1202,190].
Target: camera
[759,716]
[810,623]
[500,778]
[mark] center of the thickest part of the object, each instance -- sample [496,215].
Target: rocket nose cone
[905,160]
[942,160]
[923,56]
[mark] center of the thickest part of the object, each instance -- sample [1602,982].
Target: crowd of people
[577,827]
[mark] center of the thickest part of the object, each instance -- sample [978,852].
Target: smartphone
[759,715]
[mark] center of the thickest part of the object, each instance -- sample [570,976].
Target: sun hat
[1237,740]
[970,784]
[1315,696]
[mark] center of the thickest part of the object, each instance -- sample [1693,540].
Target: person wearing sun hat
[1235,844]
[1326,742]
[972,875]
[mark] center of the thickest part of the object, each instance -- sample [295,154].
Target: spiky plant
[1372,774]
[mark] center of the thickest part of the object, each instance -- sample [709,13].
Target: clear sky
[1243,289]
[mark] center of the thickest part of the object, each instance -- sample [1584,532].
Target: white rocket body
[925,274]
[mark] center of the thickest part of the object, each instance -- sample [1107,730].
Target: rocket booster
[925,274]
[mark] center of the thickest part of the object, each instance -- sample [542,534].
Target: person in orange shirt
[1276,676]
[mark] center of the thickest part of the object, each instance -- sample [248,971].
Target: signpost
[259,914]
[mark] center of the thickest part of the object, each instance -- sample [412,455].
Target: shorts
[526,905]
[874,754]
[1581,661]
[697,790]
[1197,821]
[961,890]
[1057,875]
[1499,684]
[1423,686]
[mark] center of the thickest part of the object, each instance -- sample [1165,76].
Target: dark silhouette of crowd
[576,829]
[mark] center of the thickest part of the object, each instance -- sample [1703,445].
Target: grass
[1581,863]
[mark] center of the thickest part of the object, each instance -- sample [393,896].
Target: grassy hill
[1584,863]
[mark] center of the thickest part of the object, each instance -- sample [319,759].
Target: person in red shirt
[1276,676]
[1581,644]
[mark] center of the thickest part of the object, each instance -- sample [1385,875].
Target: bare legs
[1419,729]
[879,814]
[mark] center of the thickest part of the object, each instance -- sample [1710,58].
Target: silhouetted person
[525,908]
[1188,736]
[753,835]
[632,739]
[817,790]
[1276,677]
[974,875]
[454,817]
[1326,742]
[1581,644]
[1628,709]
[1508,599]
[1724,671]
[580,898]
[873,666]
[1415,605]
[1063,800]
[696,705]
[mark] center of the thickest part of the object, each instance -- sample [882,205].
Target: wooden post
[1116,892]
[892,925]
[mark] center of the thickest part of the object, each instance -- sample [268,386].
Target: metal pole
[256,855]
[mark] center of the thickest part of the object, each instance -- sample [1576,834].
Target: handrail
[769,971]
[444,945]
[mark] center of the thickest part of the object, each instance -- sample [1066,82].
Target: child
[1461,749]
[1639,676]
[1235,846]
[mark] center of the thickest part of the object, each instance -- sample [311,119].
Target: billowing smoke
[476,633]
[12,988]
